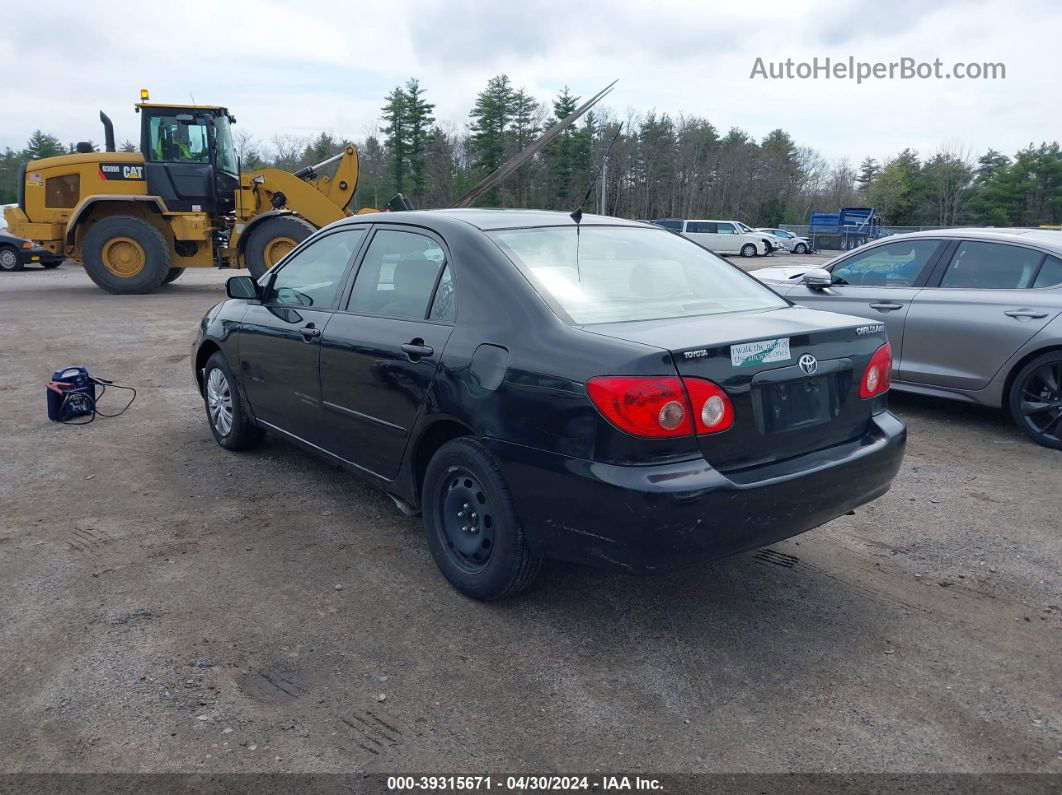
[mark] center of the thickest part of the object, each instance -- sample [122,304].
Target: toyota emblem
[808,364]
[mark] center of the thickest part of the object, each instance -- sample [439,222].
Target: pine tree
[396,136]
[868,169]
[42,145]
[491,116]
[420,121]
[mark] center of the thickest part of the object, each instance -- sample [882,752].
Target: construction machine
[136,220]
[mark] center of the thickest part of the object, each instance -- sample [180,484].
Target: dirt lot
[168,606]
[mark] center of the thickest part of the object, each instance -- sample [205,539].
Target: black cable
[93,403]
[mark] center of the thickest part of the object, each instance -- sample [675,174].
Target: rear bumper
[661,518]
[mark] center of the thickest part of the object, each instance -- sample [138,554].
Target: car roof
[1048,238]
[488,219]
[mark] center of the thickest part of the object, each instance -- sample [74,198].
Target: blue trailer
[846,229]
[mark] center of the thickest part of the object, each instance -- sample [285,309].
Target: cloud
[296,68]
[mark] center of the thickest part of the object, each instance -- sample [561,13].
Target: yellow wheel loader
[136,220]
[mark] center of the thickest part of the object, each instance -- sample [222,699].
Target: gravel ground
[168,606]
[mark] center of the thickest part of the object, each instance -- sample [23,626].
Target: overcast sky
[302,67]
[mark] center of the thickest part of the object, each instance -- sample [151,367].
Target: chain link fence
[848,237]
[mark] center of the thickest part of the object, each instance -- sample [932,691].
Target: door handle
[416,349]
[1028,313]
[309,332]
[886,307]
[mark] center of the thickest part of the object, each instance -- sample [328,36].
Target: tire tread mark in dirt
[358,742]
[84,540]
[292,689]
[372,731]
[768,555]
[271,684]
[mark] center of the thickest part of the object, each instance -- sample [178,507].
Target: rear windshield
[627,273]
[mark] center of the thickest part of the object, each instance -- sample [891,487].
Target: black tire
[155,254]
[507,565]
[241,433]
[9,259]
[51,264]
[748,250]
[173,275]
[800,248]
[1039,383]
[263,236]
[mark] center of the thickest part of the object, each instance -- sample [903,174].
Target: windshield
[226,149]
[628,273]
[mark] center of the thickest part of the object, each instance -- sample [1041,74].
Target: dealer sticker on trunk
[751,354]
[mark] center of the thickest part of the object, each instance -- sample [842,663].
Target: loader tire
[125,255]
[173,275]
[271,241]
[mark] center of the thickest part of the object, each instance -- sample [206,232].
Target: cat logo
[121,171]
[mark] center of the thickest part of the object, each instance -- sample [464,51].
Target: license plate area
[797,403]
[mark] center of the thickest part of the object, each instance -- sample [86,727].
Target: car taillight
[712,410]
[878,375]
[658,407]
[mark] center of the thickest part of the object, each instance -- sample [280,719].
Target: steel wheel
[8,259]
[219,402]
[278,248]
[1041,402]
[467,521]
[123,256]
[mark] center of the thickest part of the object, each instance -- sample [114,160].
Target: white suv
[726,237]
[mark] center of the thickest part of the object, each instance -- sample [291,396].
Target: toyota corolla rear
[724,417]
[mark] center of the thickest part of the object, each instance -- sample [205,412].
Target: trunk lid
[781,411]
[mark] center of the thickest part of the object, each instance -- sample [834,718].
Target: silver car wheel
[8,259]
[219,402]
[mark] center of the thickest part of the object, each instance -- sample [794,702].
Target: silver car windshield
[611,274]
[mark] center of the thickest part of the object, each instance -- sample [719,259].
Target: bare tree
[949,175]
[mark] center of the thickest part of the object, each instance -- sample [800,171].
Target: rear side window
[700,227]
[991,266]
[310,277]
[397,275]
[674,224]
[62,191]
[614,274]
[890,265]
[444,305]
[1050,273]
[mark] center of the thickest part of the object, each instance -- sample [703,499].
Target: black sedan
[15,253]
[602,392]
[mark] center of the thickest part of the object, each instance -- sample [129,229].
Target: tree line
[659,166]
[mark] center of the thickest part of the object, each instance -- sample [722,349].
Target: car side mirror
[817,279]
[241,287]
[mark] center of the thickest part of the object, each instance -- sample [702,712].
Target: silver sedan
[972,314]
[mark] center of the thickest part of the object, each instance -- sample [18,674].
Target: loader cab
[190,158]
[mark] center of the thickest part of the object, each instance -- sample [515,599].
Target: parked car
[790,242]
[608,393]
[725,237]
[721,237]
[773,243]
[972,314]
[16,253]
